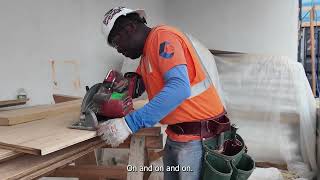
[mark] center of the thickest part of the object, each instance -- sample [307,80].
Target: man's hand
[114,131]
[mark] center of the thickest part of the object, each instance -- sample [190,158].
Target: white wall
[255,26]
[34,32]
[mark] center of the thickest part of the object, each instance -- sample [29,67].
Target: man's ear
[131,27]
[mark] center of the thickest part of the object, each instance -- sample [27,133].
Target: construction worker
[179,92]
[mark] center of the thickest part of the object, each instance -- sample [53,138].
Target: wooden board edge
[14,102]
[21,149]
[151,142]
[10,156]
[60,98]
[66,158]
[153,131]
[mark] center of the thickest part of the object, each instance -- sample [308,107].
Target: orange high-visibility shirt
[165,48]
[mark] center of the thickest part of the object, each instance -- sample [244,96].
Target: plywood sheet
[8,154]
[45,136]
[30,166]
[51,134]
[23,115]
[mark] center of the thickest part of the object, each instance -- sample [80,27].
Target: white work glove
[114,131]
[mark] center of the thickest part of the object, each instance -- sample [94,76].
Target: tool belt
[223,159]
[206,128]
[217,165]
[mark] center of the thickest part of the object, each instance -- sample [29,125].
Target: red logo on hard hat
[109,15]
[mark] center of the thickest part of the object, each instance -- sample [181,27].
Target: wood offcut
[18,116]
[15,102]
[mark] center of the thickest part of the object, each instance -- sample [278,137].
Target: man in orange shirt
[179,90]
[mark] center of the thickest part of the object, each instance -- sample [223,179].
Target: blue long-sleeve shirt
[175,91]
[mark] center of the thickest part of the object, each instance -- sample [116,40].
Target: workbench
[80,160]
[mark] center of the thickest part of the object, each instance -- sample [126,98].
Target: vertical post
[312,51]
[136,157]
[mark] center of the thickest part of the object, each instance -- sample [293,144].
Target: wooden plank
[13,102]
[62,163]
[92,172]
[89,159]
[30,166]
[136,157]
[27,114]
[146,174]
[52,134]
[155,155]
[45,136]
[22,149]
[59,98]
[153,131]
[6,155]
[23,115]
[152,142]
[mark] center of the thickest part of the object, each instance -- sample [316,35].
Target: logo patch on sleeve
[166,50]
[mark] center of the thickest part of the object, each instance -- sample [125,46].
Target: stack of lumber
[48,134]
[29,166]
[8,154]
[43,129]
[36,141]
[24,115]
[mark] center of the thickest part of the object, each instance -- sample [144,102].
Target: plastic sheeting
[270,99]
[266,174]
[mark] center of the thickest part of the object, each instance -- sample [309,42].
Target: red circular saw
[110,99]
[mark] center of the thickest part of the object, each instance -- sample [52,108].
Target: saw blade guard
[87,102]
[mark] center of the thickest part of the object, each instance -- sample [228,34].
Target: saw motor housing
[110,99]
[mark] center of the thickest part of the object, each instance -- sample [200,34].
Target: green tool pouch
[215,167]
[218,166]
[243,169]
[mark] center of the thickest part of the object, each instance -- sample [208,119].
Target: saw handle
[135,84]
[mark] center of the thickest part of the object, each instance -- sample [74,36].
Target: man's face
[126,41]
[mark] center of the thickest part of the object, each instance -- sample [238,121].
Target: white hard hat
[111,16]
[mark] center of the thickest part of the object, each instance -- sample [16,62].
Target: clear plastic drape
[270,99]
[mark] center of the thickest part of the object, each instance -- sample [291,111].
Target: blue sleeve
[174,92]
